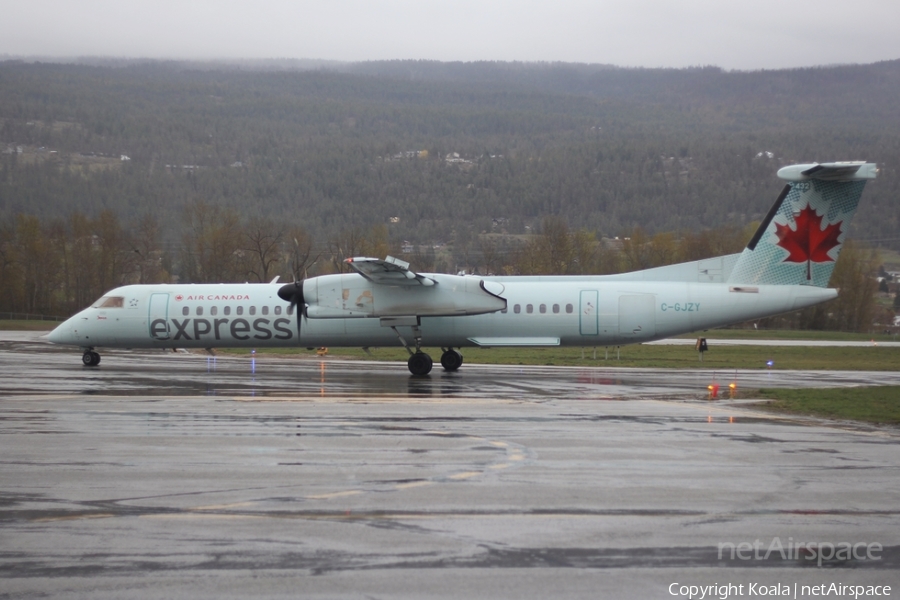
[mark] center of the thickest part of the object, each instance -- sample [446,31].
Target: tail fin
[799,240]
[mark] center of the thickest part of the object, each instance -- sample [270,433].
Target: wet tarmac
[176,475]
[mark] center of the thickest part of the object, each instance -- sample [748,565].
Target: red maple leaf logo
[808,242]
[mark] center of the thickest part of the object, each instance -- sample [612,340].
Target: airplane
[785,266]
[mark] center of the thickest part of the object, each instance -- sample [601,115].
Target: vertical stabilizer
[801,237]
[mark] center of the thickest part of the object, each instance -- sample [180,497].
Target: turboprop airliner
[785,266]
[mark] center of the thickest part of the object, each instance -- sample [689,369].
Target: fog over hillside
[435,149]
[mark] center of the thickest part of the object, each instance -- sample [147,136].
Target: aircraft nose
[62,334]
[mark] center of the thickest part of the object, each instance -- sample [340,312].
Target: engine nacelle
[353,296]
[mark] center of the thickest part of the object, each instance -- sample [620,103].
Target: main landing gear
[451,359]
[90,358]
[420,363]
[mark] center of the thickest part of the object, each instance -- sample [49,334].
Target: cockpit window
[109,302]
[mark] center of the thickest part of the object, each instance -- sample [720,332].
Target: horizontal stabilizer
[835,171]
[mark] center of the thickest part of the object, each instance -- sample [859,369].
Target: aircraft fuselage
[584,311]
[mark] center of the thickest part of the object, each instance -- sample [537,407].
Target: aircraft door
[637,319]
[588,313]
[158,317]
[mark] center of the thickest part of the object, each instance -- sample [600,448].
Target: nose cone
[62,335]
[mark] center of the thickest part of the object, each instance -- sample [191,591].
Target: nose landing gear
[90,358]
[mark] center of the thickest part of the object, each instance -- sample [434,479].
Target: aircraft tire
[420,364]
[90,359]
[451,360]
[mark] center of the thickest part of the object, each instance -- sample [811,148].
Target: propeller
[293,293]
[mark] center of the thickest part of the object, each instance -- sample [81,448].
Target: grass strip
[792,334]
[30,325]
[876,404]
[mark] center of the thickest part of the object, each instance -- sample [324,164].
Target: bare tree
[212,250]
[115,262]
[491,259]
[145,244]
[347,244]
[262,243]
[376,242]
[853,275]
[300,253]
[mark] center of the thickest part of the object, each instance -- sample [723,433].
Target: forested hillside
[430,152]
[603,148]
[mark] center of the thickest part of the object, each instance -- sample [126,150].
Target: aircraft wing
[387,271]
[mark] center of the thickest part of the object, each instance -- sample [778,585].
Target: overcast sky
[734,34]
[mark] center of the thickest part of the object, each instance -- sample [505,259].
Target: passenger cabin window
[199,311]
[290,310]
[265,310]
[214,310]
[239,310]
[529,308]
[227,310]
[517,309]
[252,310]
[109,302]
[543,308]
[569,308]
[277,310]
[186,311]
[556,309]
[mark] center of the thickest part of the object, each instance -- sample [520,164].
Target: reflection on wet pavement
[143,373]
[186,475]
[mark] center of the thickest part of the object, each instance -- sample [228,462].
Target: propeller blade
[293,293]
